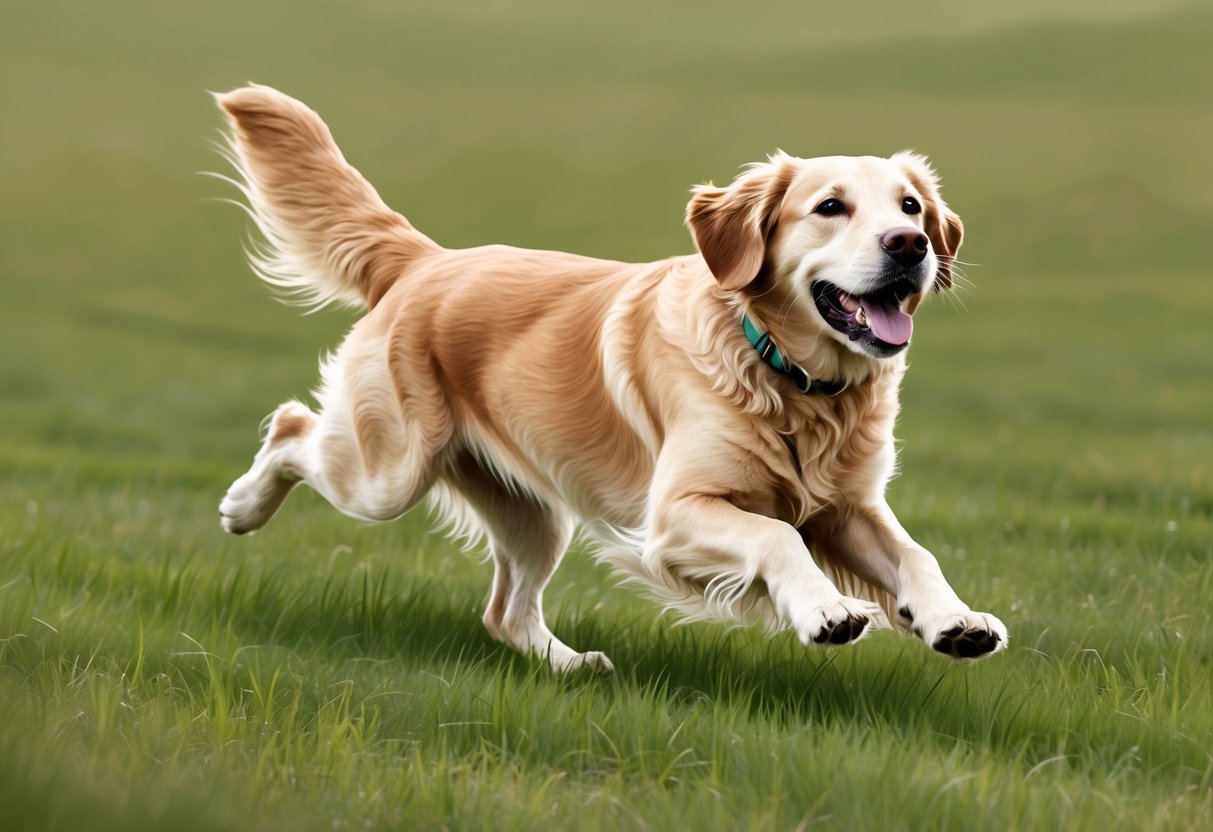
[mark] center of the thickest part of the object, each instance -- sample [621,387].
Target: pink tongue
[888,323]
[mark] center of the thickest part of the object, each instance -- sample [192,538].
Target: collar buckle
[775,358]
[800,378]
[765,346]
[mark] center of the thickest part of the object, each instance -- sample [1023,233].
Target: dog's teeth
[861,317]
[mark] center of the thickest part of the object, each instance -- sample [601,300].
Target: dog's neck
[781,362]
[806,344]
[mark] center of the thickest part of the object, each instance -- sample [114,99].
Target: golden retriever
[710,419]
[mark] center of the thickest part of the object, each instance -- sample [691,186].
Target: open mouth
[875,320]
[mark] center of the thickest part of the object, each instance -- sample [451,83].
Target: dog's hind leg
[372,451]
[305,447]
[527,538]
[256,496]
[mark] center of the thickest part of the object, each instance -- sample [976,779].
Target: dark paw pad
[966,644]
[840,632]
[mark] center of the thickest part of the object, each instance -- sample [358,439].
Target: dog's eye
[910,205]
[830,207]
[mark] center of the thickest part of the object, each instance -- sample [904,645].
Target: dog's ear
[731,225]
[940,222]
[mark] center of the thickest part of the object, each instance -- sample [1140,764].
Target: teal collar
[775,357]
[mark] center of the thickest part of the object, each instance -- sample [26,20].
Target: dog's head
[845,245]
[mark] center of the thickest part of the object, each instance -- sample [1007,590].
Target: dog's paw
[965,636]
[593,661]
[251,502]
[838,622]
[238,512]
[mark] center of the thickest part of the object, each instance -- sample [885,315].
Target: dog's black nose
[907,246]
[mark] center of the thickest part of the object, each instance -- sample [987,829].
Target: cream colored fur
[527,392]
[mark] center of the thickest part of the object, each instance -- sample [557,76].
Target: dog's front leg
[869,542]
[702,541]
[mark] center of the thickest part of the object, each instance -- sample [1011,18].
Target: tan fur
[527,390]
[942,225]
[290,426]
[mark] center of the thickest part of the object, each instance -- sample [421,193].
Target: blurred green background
[1057,456]
[1072,137]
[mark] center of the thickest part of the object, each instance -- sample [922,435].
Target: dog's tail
[328,237]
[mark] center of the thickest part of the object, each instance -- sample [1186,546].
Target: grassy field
[328,674]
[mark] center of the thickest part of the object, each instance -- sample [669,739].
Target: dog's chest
[837,451]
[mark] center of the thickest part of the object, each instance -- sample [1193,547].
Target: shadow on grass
[886,679]
[1018,703]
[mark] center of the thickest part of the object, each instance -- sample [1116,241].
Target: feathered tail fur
[327,235]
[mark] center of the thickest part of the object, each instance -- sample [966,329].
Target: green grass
[327,674]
